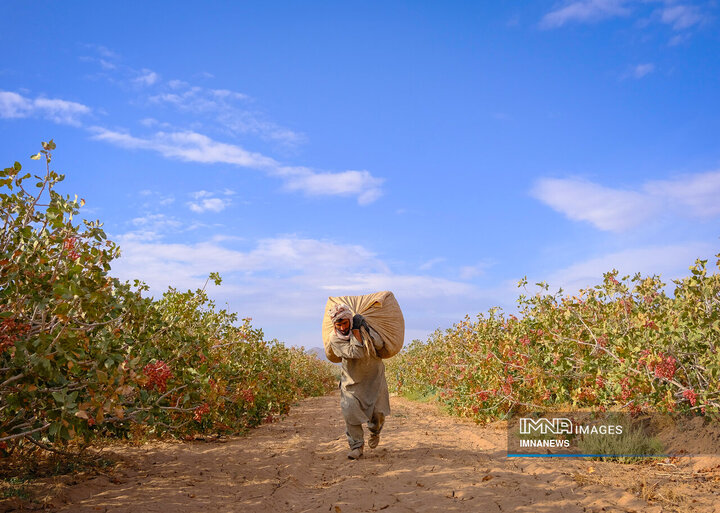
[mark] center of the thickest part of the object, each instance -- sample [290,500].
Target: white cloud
[206,201]
[208,204]
[155,219]
[14,105]
[227,109]
[431,263]
[222,106]
[174,98]
[619,210]
[585,11]
[61,111]
[153,199]
[152,122]
[147,78]
[643,69]
[681,16]
[606,208]
[195,147]
[115,72]
[104,51]
[188,146]
[678,39]
[106,64]
[697,194]
[284,282]
[420,287]
[670,261]
[226,93]
[103,56]
[281,255]
[468,272]
[347,183]
[153,227]
[221,237]
[678,15]
[156,222]
[177,84]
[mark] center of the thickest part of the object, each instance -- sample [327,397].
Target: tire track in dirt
[426,461]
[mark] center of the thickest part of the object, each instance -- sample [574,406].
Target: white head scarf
[339,312]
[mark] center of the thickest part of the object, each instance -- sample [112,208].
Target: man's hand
[358,321]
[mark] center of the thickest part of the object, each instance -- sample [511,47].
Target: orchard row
[83,354]
[625,344]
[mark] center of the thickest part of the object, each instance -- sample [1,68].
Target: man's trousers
[354,432]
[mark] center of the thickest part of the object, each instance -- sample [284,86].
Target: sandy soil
[426,461]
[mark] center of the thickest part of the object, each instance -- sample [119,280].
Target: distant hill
[319,352]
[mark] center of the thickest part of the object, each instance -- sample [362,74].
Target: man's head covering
[339,312]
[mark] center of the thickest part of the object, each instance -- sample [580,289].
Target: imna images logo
[559,426]
[564,426]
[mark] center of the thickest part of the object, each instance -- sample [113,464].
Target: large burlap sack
[382,312]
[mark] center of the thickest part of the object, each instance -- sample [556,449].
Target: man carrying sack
[364,394]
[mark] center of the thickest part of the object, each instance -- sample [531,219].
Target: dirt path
[426,461]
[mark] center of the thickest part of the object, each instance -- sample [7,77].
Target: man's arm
[360,322]
[377,340]
[352,349]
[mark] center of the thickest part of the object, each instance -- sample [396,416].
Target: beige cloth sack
[381,310]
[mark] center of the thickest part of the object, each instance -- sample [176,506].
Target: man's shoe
[355,454]
[374,440]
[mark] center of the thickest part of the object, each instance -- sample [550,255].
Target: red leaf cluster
[158,373]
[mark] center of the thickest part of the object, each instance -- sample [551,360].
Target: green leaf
[215,277]
[36,156]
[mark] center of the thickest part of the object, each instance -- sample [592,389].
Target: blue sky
[439,150]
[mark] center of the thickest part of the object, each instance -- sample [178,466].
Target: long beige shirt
[363,387]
